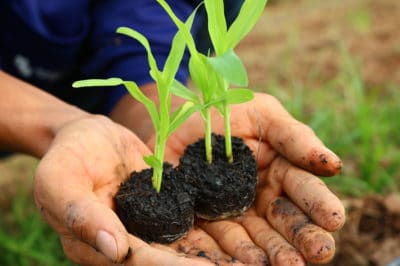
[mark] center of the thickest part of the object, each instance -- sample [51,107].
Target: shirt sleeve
[113,55]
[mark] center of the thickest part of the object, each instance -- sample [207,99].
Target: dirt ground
[299,40]
[371,235]
[303,40]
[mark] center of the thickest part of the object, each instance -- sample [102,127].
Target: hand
[293,210]
[74,188]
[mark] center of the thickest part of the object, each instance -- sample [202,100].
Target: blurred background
[335,65]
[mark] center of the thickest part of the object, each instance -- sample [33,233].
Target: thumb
[96,224]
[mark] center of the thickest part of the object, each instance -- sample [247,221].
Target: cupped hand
[74,187]
[294,211]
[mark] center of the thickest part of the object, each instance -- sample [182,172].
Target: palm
[279,143]
[74,186]
[98,154]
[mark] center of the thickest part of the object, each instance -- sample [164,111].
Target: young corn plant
[226,63]
[213,75]
[163,120]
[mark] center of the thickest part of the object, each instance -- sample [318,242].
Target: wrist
[30,117]
[43,125]
[61,115]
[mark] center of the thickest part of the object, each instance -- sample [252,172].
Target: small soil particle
[202,254]
[284,207]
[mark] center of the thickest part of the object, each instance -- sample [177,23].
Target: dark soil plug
[156,217]
[224,189]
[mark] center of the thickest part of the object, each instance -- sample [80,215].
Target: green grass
[360,20]
[25,239]
[360,124]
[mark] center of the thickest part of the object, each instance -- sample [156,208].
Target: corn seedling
[213,75]
[163,120]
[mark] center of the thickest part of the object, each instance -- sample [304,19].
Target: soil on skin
[156,217]
[305,40]
[223,189]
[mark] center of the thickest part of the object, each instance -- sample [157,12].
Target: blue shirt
[52,43]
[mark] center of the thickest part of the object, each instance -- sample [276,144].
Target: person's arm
[29,117]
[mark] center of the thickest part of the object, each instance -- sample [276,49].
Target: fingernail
[107,245]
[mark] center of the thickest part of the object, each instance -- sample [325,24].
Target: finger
[74,249]
[87,219]
[295,141]
[234,239]
[316,245]
[199,243]
[82,253]
[140,254]
[98,225]
[143,254]
[308,192]
[280,252]
[298,143]
[163,247]
[263,152]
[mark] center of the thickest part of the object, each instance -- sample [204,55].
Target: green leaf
[218,82]
[198,73]
[177,50]
[236,96]
[182,114]
[216,24]
[153,162]
[248,16]
[170,12]
[232,96]
[154,71]
[182,91]
[205,77]
[174,58]
[181,26]
[151,108]
[97,82]
[230,67]
[220,106]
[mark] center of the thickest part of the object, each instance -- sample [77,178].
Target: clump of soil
[160,217]
[370,236]
[223,189]
[214,191]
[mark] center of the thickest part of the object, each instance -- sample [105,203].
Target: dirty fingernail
[107,245]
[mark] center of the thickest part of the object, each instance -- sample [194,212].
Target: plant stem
[162,135]
[228,136]
[159,153]
[207,136]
